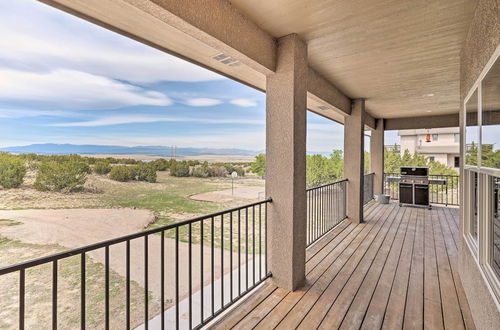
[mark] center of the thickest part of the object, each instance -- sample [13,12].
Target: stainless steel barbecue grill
[414,186]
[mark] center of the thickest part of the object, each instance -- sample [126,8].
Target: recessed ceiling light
[429,95]
[323,107]
[429,111]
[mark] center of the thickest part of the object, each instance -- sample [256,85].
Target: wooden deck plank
[358,309]
[394,313]
[414,309]
[433,315]
[312,266]
[452,315]
[278,313]
[374,315]
[299,311]
[328,296]
[362,281]
[452,251]
[397,270]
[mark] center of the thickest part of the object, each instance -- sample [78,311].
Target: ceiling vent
[227,60]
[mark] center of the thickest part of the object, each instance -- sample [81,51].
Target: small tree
[259,165]
[145,172]
[102,167]
[67,176]
[122,173]
[179,169]
[161,164]
[12,171]
[201,171]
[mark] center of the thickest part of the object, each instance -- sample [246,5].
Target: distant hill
[65,149]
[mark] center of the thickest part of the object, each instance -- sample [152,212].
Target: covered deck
[396,270]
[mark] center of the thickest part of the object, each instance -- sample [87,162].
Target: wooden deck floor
[397,270]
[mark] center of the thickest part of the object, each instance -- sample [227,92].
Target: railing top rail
[449,175]
[326,184]
[121,239]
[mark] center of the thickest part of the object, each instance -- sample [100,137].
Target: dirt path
[72,228]
[228,195]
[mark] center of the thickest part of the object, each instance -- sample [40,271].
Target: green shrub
[122,173]
[145,172]
[179,169]
[12,171]
[67,176]
[102,167]
[218,171]
[201,171]
[84,167]
[161,164]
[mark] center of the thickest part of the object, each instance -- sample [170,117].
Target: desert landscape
[36,223]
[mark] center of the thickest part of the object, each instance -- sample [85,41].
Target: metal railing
[368,188]
[447,193]
[222,256]
[326,207]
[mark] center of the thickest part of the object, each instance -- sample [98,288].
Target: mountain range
[64,149]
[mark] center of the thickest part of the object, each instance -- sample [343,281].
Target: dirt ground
[71,228]
[228,195]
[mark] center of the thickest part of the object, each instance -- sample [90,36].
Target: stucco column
[286,164]
[354,137]
[377,156]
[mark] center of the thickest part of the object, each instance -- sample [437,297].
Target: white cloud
[137,119]
[75,89]
[202,102]
[254,140]
[243,103]
[46,39]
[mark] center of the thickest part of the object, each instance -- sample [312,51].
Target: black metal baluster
[222,261]
[146,287]
[212,268]
[54,294]
[190,271]
[127,284]
[239,252]
[253,242]
[162,278]
[82,290]
[265,238]
[260,241]
[21,298]
[246,246]
[231,254]
[106,285]
[201,272]
[177,277]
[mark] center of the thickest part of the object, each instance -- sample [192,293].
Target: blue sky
[64,80]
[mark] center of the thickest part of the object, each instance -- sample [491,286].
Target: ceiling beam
[327,92]
[439,121]
[219,25]
[370,121]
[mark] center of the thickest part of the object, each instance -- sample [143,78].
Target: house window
[456,161]
[432,158]
[457,137]
[434,137]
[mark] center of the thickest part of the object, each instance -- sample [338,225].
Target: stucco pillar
[377,156]
[285,163]
[354,160]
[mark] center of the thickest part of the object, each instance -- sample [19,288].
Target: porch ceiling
[396,54]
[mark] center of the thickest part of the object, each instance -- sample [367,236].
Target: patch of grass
[8,222]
